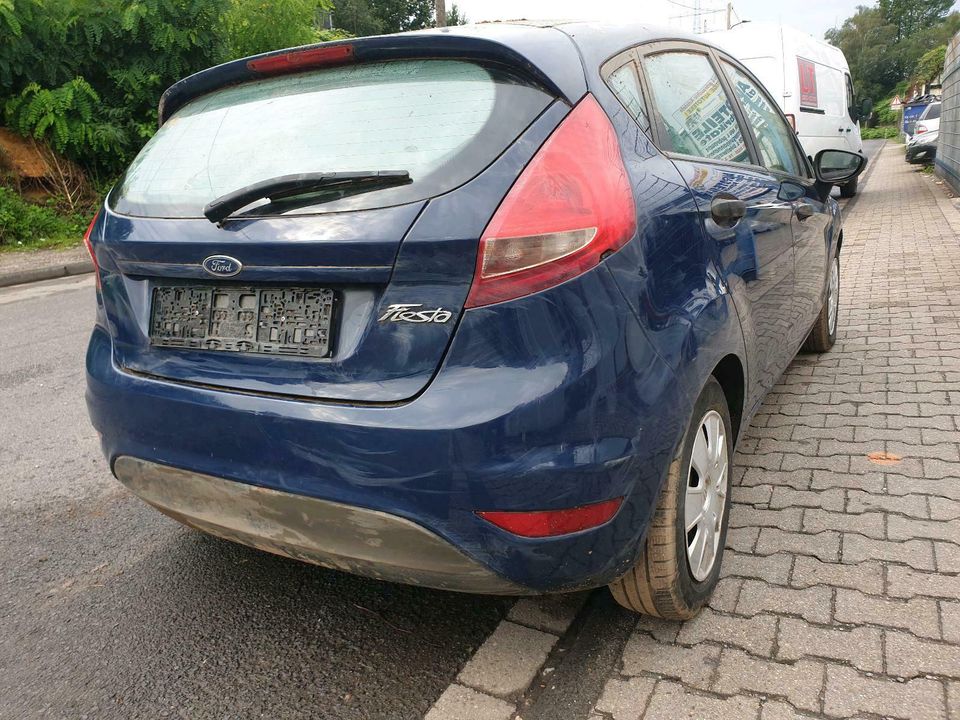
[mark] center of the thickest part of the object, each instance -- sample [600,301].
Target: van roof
[760,39]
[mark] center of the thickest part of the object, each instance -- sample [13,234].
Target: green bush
[883,132]
[26,225]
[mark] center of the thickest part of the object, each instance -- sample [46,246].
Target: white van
[808,77]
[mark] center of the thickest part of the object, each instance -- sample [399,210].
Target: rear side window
[442,121]
[694,108]
[623,82]
[775,139]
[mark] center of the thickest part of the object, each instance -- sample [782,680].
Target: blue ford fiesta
[483,309]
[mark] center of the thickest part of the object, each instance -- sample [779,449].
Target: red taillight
[920,129]
[792,119]
[89,246]
[569,207]
[548,523]
[302,59]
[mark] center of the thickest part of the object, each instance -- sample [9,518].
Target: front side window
[775,139]
[624,84]
[696,113]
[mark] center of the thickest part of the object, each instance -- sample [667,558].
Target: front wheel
[679,564]
[824,332]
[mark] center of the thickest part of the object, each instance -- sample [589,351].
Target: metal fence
[948,144]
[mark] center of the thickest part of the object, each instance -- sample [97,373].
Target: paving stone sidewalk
[841,587]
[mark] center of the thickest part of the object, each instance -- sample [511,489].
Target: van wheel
[679,563]
[824,333]
[850,189]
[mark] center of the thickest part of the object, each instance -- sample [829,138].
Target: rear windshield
[442,121]
[932,112]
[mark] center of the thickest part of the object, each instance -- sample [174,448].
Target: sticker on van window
[808,83]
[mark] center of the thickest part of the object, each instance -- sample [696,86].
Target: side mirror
[866,107]
[836,167]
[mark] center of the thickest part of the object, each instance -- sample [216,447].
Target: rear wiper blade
[286,186]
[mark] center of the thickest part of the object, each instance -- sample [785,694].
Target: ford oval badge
[222,265]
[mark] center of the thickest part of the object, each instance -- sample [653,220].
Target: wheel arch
[730,373]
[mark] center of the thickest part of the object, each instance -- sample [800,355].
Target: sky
[813,16]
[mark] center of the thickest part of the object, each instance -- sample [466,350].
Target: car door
[698,125]
[780,153]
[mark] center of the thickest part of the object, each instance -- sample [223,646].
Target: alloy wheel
[833,297]
[705,501]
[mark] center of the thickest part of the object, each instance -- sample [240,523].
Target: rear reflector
[302,59]
[792,119]
[89,246]
[549,523]
[571,205]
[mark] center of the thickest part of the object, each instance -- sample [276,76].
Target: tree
[884,44]
[403,15]
[866,39]
[930,65]
[254,26]
[456,17]
[85,75]
[356,17]
[909,16]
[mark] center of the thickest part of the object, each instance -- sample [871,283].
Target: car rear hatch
[350,287]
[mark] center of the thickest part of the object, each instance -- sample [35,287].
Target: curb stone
[52,272]
[501,670]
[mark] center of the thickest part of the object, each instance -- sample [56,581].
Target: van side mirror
[866,107]
[835,167]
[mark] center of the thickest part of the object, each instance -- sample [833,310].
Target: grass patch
[28,226]
[884,132]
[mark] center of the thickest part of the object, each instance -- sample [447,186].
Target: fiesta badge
[222,265]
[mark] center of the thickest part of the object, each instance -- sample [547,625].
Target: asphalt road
[110,610]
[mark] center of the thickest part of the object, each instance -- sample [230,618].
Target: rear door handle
[804,210]
[727,210]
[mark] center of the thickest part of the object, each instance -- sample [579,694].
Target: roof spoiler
[530,51]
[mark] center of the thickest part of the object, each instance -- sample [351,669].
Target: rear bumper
[921,153]
[549,402]
[334,535]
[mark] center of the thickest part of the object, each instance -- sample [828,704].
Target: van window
[442,121]
[775,139]
[624,84]
[851,102]
[695,110]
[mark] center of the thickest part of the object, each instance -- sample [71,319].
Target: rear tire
[668,580]
[824,332]
[850,189]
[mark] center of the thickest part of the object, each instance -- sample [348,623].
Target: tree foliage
[455,16]
[85,76]
[884,44]
[256,26]
[910,16]
[930,65]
